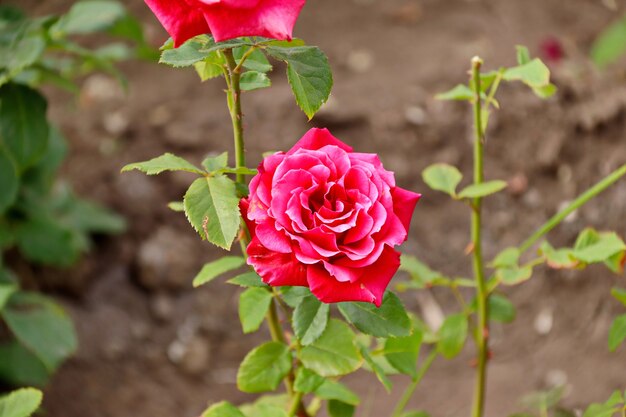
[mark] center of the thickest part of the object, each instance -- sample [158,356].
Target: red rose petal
[275,268]
[404,202]
[317,138]
[181,20]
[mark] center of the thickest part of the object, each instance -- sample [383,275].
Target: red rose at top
[227,19]
[324,217]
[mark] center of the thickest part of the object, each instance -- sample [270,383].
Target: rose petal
[273,239]
[270,18]
[404,202]
[274,268]
[317,138]
[181,20]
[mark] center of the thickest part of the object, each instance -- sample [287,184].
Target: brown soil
[150,345]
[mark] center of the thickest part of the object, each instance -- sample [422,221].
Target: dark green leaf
[617,332]
[215,163]
[333,390]
[619,294]
[340,409]
[253,80]
[264,368]
[442,177]
[45,241]
[20,403]
[307,380]
[21,367]
[24,128]
[334,353]
[253,305]
[452,335]
[42,326]
[416,414]
[309,75]
[212,208]
[402,352]
[390,319]
[482,190]
[294,295]
[310,319]
[377,369]
[501,309]
[9,181]
[165,162]
[249,279]
[256,61]
[216,268]
[187,54]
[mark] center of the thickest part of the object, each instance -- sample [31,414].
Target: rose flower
[324,217]
[227,19]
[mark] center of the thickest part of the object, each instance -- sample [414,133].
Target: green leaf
[598,250]
[9,181]
[21,367]
[309,75]
[618,293]
[89,217]
[558,258]
[390,319]
[534,74]
[307,380]
[216,268]
[6,290]
[253,305]
[215,163]
[212,208]
[264,367]
[20,403]
[334,353]
[416,414]
[340,409]
[523,56]
[46,241]
[310,319]
[420,273]
[88,17]
[187,54]
[617,332]
[256,61]
[501,309]
[482,190]
[24,127]
[377,369]
[460,92]
[294,295]
[452,335]
[165,162]
[610,45]
[402,352]
[514,275]
[177,206]
[222,409]
[253,80]
[615,263]
[42,326]
[333,390]
[249,279]
[442,177]
[210,67]
[508,257]
[24,53]
[545,91]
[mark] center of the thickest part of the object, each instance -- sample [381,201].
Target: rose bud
[227,19]
[324,217]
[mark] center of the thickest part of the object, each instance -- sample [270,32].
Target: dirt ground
[150,345]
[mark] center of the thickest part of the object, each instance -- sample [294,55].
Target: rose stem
[576,204]
[482,295]
[408,393]
[233,94]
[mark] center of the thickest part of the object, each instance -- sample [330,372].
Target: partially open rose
[327,218]
[227,19]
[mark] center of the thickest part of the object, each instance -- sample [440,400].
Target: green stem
[573,206]
[482,295]
[296,405]
[408,393]
[234,107]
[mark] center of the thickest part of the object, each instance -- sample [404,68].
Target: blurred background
[150,345]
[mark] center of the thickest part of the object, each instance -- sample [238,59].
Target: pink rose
[324,217]
[227,19]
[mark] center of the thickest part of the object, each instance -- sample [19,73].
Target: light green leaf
[294,295]
[307,380]
[20,403]
[264,367]
[249,279]
[42,326]
[420,273]
[606,245]
[615,263]
[212,208]
[309,75]
[24,53]
[482,190]
[452,335]
[340,409]
[187,54]
[514,275]
[24,127]
[310,319]
[617,332]
[545,91]
[390,319]
[88,16]
[222,409]
[210,67]
[256,61]
[523,56]
[402,352]
[618,293]
[165,162]
[610,45]
[177,206]
[534,73]
[333,390]
[253,80]
[215,163]
[442,177]
[501,309]
[460,92]
[508,257]
[216,268]
[6,290]
[334,353]
[253,305]
[558,258]
[377,369]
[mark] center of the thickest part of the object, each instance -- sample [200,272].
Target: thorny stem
[233,94]
[482,295]
[408,393]
[575,205]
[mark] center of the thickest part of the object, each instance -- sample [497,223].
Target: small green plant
[20,403]
[40,217]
